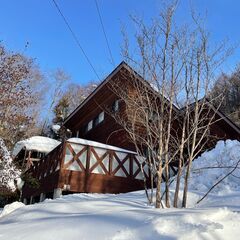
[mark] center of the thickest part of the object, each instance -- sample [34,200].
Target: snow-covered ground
[121,217]
[128,217]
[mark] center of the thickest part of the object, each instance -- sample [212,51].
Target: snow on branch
[8,171]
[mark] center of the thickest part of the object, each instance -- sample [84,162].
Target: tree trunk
[158,190]
[175,201]
[167,198]
[184,202]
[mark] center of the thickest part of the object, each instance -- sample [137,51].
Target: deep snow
[128,216]
[120,217]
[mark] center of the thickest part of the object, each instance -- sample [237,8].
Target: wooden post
[24,158]
[131,165]
[110,162]
[64,147]
[87,168]
[61,176]
[28,161]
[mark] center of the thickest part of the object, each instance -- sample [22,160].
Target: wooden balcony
[84,167]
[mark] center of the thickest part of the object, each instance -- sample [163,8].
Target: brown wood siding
[98,183]
[48,184]
[108,131]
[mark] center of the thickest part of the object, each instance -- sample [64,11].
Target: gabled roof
[226,119]
[139,77]
[106,80]
[219,113]
[103,83]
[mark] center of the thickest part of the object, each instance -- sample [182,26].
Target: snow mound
[36,143]
[119,217]
[213,165]
[210,224]
[10,208]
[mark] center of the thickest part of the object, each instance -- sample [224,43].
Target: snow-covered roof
[36,143]
[97,144]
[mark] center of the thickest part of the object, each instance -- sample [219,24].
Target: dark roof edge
[122,64]
[117,69]
[225,118]
[220,113]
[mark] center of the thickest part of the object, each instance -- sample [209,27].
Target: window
[90,125]
[100,117]
[95,122]
[115,106]
[152,116]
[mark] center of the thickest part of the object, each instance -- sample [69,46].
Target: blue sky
[39,23]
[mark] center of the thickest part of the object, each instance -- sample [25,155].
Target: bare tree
[150,109]
[166,111]
[59,79]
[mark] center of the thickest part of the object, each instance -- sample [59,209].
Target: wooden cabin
[100,157]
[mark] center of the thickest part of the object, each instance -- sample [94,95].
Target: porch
[78,165]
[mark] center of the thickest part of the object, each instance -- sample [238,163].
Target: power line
[104,32]
[75,38]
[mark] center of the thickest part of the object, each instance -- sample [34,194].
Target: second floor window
[115,106]
[90,125]
[100,117]
[93,123]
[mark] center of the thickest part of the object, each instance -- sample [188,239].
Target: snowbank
[213,165]
[10,208]
[36,143]
[208,169]
[97,144]
[118,217]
